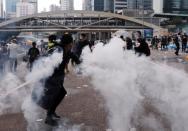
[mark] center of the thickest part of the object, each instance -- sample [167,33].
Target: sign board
[148,33]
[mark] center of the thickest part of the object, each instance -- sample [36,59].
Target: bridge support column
[100,35]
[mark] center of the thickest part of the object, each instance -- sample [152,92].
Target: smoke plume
[139,94]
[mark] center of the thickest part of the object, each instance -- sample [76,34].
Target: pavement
[83,106]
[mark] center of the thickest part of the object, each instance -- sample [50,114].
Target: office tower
[24,9]
[120,5]
[11,8]
[175,6]
[67,4]
[140,4]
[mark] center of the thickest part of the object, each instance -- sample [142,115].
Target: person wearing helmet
[51,41]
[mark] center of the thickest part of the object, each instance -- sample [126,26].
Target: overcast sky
[46,3]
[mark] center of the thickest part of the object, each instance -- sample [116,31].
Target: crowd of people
[8,55]
[9,50]
[176,41]
[54,91]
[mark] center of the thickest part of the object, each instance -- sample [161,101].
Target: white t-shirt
[13,49]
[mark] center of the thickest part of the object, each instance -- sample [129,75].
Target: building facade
[35,4]
[67,4]
[87,5]
[24,9]
[1,9]
[175,6]
[11,8]
[109,5]
[140,4]
[120,5]
[54,8]
[98,5]
[158,6]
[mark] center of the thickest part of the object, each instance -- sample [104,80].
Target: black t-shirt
[59,71]
[143,48]
[184,39]
[33,53]
[80,46]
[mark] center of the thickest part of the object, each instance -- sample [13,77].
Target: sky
[46,3]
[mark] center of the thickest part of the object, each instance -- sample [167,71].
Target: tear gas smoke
[10,104]
[42,69]
[15,93]
[139,94]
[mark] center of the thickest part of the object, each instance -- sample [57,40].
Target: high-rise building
[147,4]
[140,4]
[24,9]
[87,5]
[35,3]
[109,5]
[11,8]
[54,8]
[98,5]
[175,6]
[158,6]
[120,5]
[67,4]
[1,9]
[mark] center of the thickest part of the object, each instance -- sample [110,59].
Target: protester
[141,46]
[176,41]
[54,91]
[83,42]
[129,43]
[13,54]
[184,42]
[33,54]
[51,41]
[164,43]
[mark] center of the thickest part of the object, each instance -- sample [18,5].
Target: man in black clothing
[129,43]
[81,44]
[33,54]
[155,42]
[184,42]
[176,41]
[54,91]
[164,43]
[142,46]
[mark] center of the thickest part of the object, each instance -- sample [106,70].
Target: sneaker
[50,121]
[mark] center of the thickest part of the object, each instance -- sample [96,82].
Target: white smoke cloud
[9,103]
[139,93]
[34,115]
[16,95]
[44,67]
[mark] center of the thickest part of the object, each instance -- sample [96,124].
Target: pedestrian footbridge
[74,21]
